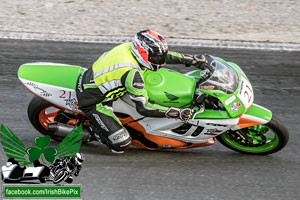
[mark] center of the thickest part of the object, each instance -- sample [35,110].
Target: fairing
[53,82]
[234,90]
[55,74]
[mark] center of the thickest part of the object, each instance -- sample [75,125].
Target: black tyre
[39,118]
[266,139]
[42,179]
[69,180]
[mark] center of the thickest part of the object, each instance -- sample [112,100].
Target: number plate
[246,93]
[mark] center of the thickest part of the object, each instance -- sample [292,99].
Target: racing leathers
[112,75]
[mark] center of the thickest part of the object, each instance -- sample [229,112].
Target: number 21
[63,95]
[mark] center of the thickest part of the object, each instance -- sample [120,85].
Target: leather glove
[183,114]
[200,61]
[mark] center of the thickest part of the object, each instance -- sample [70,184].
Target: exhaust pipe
[62,130]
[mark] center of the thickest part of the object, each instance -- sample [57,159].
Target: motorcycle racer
[72,164]
[120,71]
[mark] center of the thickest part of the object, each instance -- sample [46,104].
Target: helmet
[150,49]
[79,158]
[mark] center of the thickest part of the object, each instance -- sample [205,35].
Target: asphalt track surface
[213,172]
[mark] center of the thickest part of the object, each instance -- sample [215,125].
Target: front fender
[255,115]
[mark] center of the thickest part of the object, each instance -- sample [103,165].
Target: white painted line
[171,41]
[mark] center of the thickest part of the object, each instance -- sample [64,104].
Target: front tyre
[60,176]
[265,139]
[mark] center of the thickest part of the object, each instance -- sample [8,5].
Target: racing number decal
[249,95]
[63,94]
[246,93]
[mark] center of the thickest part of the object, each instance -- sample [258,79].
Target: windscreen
[223,77]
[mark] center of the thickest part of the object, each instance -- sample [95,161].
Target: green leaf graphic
[42,142]
[34,153]
[50,154]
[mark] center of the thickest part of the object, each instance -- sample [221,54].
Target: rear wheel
[41,113]
[261,139]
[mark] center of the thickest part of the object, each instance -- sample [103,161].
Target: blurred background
[248,20]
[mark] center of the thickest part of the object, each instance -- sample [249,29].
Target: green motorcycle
[221,96]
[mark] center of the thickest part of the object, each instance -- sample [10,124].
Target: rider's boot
[117,141]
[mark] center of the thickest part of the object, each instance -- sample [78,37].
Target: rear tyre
[40,117]
[42,180]
[267,138]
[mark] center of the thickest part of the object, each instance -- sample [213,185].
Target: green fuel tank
[169,88]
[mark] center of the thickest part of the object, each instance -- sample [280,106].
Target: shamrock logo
[48,153]
[14,148]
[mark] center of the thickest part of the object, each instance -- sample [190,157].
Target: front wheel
[264,139]
[60,176]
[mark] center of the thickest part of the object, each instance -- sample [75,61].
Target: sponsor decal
[171,97]
[40,162]
[79,86]
[72,103]
[212,131]
[100,122]
[241,89]
[39,90]
[235,107]
[212,124]
[230,100]
[207,87]
[119,136]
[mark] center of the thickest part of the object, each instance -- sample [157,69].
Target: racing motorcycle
[62,171]
[221,96]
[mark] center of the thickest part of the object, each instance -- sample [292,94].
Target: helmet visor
[158,59]
[79,161]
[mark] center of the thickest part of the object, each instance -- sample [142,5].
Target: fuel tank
[169,88]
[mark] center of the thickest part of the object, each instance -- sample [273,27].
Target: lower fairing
[198,131]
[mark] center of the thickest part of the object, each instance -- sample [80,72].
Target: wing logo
[171,96]
[39,155]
